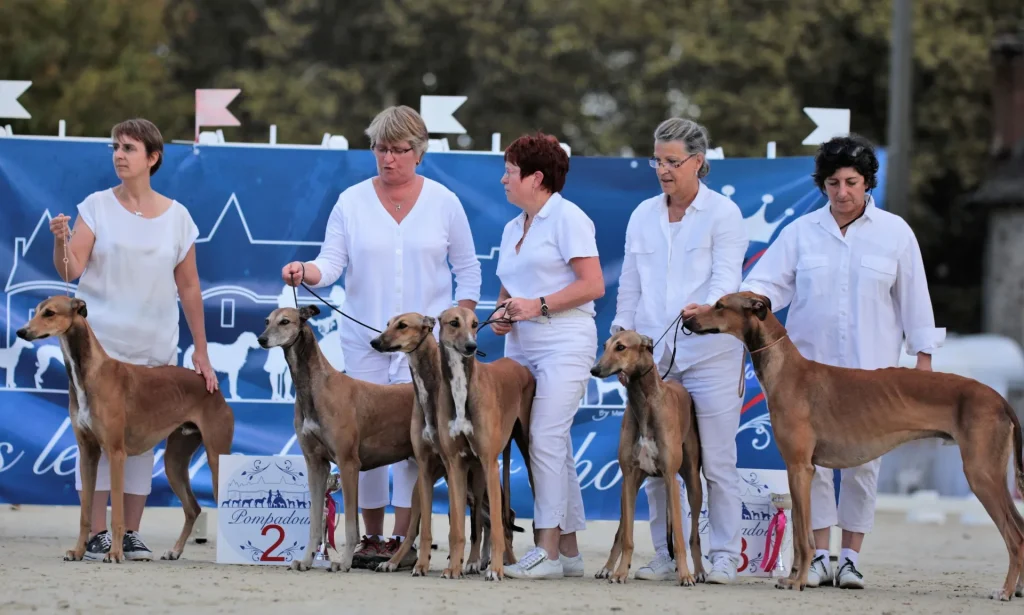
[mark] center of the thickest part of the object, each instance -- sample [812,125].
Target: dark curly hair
[540,152]
[841,152]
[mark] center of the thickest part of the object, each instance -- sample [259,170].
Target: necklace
[397,206]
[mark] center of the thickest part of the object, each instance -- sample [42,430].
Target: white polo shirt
[667,266]
[391,268]
[851,298]
[559,233]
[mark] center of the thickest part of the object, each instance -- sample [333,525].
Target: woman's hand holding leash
[292,273]
[693,310]
[59,226]
[518,308]
[201,362]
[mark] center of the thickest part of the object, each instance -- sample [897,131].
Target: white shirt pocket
[812,275]
[642,250]
[877,275]
[698,257]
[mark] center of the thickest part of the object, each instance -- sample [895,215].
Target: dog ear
[648,343]
[429,322]
[760,307]
[308,311]
[78,306]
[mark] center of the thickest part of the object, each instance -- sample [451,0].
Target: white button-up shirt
[391,268]
[559,233]
[852,298]
[663,272]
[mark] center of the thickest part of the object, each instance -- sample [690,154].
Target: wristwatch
[543,307]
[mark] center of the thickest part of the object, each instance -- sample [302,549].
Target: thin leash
[743,363]
[66,246]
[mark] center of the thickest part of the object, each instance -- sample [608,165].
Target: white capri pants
[382,368]
[713,383]
[138,473]
[559,353]
[858,489]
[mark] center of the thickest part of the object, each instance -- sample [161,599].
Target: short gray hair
[692,135]
[400,123]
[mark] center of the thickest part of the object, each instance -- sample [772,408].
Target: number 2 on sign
[743,556]
[267,557]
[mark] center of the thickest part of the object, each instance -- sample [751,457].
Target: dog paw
[603,573]
[473,568]
[618,577]
[116,558]
[386,567]
[301,565]
[419,571]
[494,575]
[687,580]
[74,556]
[700,577]
[170,555]
[339,567]
[1001,595]
[450,573]
[787,583]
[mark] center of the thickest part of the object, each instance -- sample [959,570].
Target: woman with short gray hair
[393,236]
[684,250]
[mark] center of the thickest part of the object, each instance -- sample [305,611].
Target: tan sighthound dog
[413,334]
[356,424]
[840,417]
[658,438]
[124,410]
[490,403]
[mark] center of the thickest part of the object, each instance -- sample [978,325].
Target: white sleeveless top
[128,283]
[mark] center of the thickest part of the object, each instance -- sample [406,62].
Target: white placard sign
[263,512]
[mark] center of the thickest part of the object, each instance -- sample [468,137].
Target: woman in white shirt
[685,248]
[133,253]
[854,281]
[392,235]
[550,276]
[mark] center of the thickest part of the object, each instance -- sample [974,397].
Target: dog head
[53,316]
[627,352]
[737,314]
[458,330]
[404,333]
[285,324]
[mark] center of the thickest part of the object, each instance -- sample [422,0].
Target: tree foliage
[598,73]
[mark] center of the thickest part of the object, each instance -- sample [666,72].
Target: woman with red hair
[550,276]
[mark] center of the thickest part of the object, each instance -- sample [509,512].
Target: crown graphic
[758,228]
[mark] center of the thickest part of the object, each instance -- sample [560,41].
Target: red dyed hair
[540,152]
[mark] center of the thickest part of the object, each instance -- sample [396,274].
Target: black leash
[677,325]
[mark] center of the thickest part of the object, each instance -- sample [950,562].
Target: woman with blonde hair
[392,236]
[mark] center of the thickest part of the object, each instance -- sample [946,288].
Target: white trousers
[713,383]
[382,368]
[138,473]
[858,488]
[559,353]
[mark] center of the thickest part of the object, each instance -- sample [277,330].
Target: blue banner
[260,207]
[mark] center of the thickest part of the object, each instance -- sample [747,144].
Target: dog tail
[1018,458]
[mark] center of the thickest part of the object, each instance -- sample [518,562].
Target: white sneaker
[820,572]
[661,568]
[849,577]
[723,571]
[572,566]
[535,565]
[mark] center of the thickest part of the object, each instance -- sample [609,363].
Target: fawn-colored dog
[124,409]
[841,417]
[658,437]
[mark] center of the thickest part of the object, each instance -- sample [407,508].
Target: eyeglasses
[675,164]
[397,151]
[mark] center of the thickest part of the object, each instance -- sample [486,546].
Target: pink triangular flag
[212,108]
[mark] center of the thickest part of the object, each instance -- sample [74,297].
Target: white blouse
[391,268]
[667,266]
[851,299]
[559,233]
[128,283]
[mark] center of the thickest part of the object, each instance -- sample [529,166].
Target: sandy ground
[909,569]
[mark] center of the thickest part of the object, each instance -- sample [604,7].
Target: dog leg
[177,456]
[613,556]
[318,468]
[675,507]
[88,460]
[480,534]
[496,571]
[800,474]
[457,518]
[695,496]
[117,458]
[415,515]
[350,494]
[630,489]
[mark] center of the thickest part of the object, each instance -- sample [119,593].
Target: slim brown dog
[839,418]
[658,437]
[123,409]
[490,403]
[412,334]
[356,424]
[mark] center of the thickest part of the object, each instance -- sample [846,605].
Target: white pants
[382,368]
[559,353]
[713,384]
[858,489]
[138,473]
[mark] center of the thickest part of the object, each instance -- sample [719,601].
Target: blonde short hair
[400,123]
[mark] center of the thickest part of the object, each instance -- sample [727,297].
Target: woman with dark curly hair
[550,276]
[854,280]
